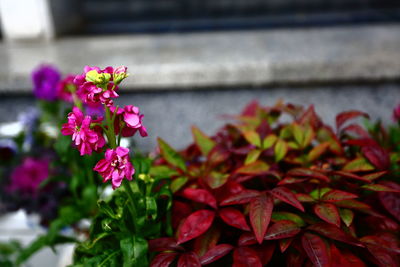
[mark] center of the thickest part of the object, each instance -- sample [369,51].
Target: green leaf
[347,216]
[281,149]
[171,156]
[216,179]
[252,156]
[269,141]
[134,251]
[255,168]
[357,165]
[178,183]
[106,209]
[298,133]
[253,138]
[204,142]
[287,216]
[162,171]
[151,207]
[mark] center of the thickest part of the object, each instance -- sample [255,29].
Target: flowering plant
[95,127]
[294,193]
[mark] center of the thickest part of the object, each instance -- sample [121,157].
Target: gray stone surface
[169,114]
[193,60]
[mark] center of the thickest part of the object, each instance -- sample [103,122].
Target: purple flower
[45,81]
[27,177]
[115,166]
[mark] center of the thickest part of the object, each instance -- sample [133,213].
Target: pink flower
[27,177]
[119,74]
[85,138]
[65,88]
[130,119]
[396,113]
[115,166]
[96,86]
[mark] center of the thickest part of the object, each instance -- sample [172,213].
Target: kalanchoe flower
[115,166]
[45,80]
[83,136]
[66,88]
[120,74]
[396,113]
[27,177]
[130,119]
[96,86]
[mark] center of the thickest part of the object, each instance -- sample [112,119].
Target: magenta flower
[96,86]
[115,166]
[27,177]
[85,138]
[396,113]
[130,119]
[45,80]
[119,74]
[65,88]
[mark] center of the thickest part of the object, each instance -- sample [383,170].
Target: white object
[26,19]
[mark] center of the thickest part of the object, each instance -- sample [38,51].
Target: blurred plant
[293,193]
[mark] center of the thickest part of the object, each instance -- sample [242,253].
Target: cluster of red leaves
[292,193]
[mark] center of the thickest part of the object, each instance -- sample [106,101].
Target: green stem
[131,207]
[110,135]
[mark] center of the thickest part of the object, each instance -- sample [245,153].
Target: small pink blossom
[130,119]
[65,88]
[27,177]
[115,166]
[120,74]
[396,113]
[85,138]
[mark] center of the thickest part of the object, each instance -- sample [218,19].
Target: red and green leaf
[377,156]
[308,173]
[285,195]
[201,196]
[234,217]
[189,259]
[337,195]
[215,253]
[242,197]
[253,138]
[255,168]
[391,201]
[328,212]
[345,116]
[163,259]
[282,229]
[358,165]
[207,241]
[347,216]
[333,232]
[196,224]
[316,249]
[280,150]
[170,155]
[260,215]
[246,257]
[203,142]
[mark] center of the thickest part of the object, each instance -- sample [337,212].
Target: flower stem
[131,207]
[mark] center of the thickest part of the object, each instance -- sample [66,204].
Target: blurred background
[192,61]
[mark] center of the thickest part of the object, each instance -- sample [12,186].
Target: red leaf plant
[264,192]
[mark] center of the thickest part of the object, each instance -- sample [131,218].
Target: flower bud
[120,74]
[97,78]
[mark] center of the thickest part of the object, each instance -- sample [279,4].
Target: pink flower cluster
[96,87]
[26,178]
[85,137]
[115,166]
[128,121]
